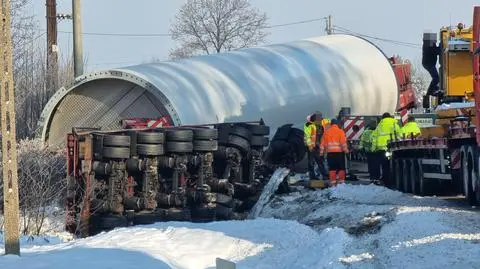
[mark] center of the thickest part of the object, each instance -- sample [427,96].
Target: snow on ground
[349,226]
[259,243]
[388,229]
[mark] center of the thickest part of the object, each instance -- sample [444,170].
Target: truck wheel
[204,133]
[224,200]
[116,141]
[241,131]
[223,212]
[205,145]
[116,153]
[150,138]
[472,199]
[283,132]
[179,135]
[110,222]
[258,129]
[259,141]
[238,142]
[179,147]
[203,213]
[150,150]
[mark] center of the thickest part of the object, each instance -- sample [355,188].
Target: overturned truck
[196,173]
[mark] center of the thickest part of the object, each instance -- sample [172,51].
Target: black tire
[116,141]
[224,200]
[205,145]
[398,174]
[112,222]
[414,177]
[259,130]
[179,135]
[223,212]
[150,150]
[150,138]
[406,176]
[116,153]
[179,147]
[204,133]
[241,131]
[283,132]
[259,141]
[203,213]
[143,218]
[238,142]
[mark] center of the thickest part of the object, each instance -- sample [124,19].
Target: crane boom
[9,149]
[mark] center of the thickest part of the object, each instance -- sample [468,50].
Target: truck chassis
[438,166]
[188,173]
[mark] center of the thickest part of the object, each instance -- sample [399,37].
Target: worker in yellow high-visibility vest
[386,130]
[411,129]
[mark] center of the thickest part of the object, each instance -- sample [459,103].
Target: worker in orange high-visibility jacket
[334,145]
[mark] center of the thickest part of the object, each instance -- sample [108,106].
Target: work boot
[332,176]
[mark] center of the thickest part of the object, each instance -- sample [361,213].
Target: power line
[396,42]
[168,35]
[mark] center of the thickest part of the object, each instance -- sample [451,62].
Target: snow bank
[388,229]
[259,243]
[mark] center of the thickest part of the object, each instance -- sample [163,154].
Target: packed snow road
[350,226]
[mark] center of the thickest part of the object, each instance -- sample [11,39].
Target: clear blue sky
[404,21]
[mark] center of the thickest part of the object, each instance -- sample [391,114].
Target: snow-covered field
[350,226]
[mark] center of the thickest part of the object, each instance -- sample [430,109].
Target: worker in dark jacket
[430,53]
[334,144]
[310,138]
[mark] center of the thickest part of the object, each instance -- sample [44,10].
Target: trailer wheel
[259,141]
[406,176]
[258,129]
[179,147]
[116,141]
[179,135]
[116,153]
[414,176]
[150,138]
[150,149]
[398,174]
[205,145]
[204,133]
[424,184]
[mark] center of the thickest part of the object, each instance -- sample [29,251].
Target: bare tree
[420,79]
[41,182]
[212,26]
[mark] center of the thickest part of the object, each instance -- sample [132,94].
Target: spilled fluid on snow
[268,191]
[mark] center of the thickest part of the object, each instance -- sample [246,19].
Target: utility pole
[329,25]
[77,38]
[9,149]
[52,48]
